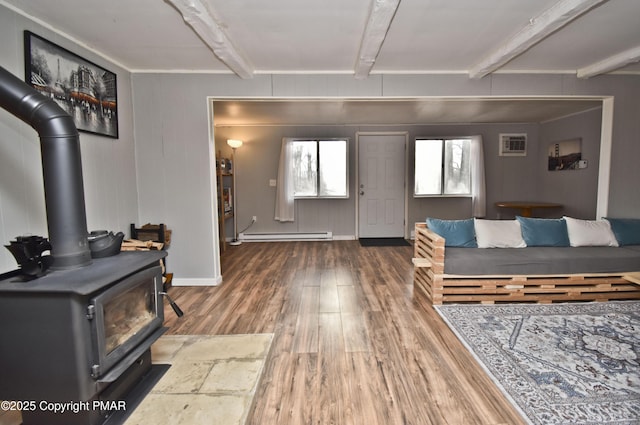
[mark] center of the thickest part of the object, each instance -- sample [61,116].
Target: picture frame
[86,91]
[565,155]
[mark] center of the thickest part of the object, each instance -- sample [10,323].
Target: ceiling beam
[209,28]
[380,17]
[611,63]
[540,27]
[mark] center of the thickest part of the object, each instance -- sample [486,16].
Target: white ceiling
[311,36]
[396,111]
[303,36]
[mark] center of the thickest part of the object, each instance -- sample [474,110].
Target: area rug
[383,242]
[212,380]
[558,363]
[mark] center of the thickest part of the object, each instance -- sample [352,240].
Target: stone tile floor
[212,380]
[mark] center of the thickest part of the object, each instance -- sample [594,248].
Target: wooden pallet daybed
[431,280]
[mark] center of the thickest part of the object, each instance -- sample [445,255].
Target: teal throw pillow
[544,231]
[457,233]
[626,230]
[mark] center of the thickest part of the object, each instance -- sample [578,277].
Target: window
[442,167]
[320,168]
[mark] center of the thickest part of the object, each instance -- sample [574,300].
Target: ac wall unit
[513,144]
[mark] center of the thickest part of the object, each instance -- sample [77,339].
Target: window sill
[320,197]
[442,196]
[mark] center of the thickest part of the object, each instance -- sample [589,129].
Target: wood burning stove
[80,335]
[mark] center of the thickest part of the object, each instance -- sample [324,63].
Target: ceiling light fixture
[540,27]
[382,12]
[209,28]
[611,63]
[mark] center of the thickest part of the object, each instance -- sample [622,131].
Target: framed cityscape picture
[83,89]
[565,155]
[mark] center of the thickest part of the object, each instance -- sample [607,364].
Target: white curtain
[478,186]
[284,188]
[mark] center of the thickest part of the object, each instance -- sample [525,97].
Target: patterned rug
[558,363]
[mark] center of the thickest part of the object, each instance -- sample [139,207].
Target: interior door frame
[406,176]
[604,163]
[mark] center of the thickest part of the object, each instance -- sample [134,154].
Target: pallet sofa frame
[439,288]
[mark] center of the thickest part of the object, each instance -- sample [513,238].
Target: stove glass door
[125,314]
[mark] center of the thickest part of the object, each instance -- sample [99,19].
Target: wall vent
[513,144]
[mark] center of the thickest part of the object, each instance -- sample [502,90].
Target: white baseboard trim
[214,281]
[344,237]
[285,239]
[282,237]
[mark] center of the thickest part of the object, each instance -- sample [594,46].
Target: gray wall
[508,178]
[169,176]
[257,159]
[572,188]
[194,89]
[256,162]
[175,179]
[108,164]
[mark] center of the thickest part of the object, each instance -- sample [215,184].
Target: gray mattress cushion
[541,260]
[633,247]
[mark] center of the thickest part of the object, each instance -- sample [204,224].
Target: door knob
[362,192]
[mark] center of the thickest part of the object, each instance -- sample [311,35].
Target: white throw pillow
[498,234]
[590,232]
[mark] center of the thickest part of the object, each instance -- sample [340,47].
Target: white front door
[381,185]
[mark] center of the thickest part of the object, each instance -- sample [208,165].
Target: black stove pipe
[61,168]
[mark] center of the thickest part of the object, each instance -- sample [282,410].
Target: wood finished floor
[351,343]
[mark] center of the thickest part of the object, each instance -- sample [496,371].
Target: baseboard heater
[281,237]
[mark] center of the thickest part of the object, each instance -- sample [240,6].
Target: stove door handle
[173,305]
